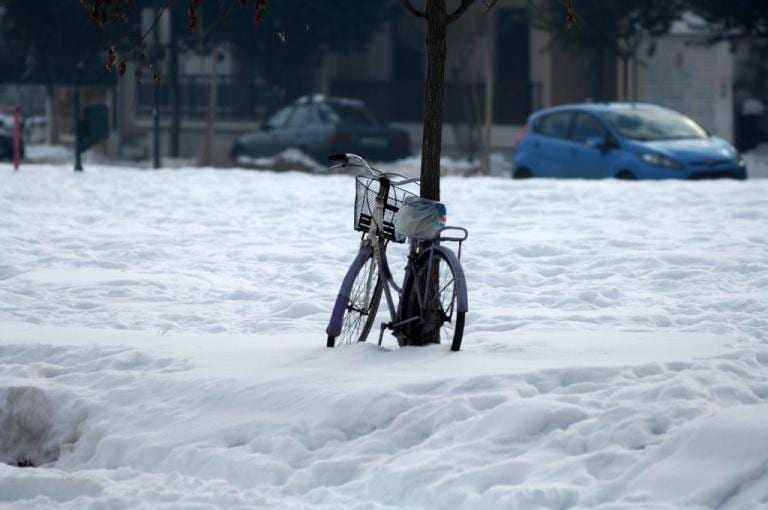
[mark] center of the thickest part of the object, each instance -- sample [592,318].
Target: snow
[45,153]
[500,166]
[289,159]
[757,162]
[162,346]
[296,160]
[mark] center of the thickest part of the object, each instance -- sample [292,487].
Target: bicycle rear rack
[459,240]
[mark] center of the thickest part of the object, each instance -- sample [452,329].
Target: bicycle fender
[462,301]
[337,316]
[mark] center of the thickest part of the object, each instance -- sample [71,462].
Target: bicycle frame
[382,265]
[373,244]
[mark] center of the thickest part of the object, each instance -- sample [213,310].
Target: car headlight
[659,160]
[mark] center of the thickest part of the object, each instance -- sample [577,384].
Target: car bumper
[739,173]
[692,173]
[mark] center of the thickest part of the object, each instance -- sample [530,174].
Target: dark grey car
[319,126]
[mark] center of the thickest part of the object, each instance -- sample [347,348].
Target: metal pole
[156,110]
[174,87]
[16,137]
[156,128]
[78,131]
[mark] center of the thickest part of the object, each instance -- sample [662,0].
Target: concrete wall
[191,139]
[547,62]
[690,77]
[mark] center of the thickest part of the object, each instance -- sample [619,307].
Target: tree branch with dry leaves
[112,15]
[460,10]
[411,9]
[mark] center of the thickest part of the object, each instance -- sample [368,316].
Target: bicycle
[432,302]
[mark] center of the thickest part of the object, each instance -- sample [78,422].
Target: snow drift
[161,346]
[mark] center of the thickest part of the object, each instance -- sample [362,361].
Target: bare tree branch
[413,10]
[490,4]
[460,10]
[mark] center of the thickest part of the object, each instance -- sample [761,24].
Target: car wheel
[522,173]
[626,175]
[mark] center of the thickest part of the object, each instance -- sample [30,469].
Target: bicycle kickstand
[381,333]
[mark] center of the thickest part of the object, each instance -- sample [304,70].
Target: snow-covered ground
[162,346]
[757,162]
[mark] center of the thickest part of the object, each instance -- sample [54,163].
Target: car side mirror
[597,142]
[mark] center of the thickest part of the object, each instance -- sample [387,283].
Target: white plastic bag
[420,218]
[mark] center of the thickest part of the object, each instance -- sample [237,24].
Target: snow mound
[757,162]
[411,166]
[290,159]
[44,489]
[714,461]
[43,153]
[35,426]
[161,342]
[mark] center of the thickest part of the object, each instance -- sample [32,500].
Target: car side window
[278,120]
[325,115]
[586,126]
[302,116]
[554,124]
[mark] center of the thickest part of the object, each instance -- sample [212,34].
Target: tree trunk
[210,121]
[156,163]
[432,139]
[488,124]
[625,78]
[78,128]
[52,132]
[437,18]
[174,86]
[156,100]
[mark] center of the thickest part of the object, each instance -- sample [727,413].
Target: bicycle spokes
[362,303]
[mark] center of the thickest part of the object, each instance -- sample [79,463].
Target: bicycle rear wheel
[431,294]
[362,305]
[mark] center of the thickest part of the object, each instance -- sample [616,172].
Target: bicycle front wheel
[431,293]
[361,306]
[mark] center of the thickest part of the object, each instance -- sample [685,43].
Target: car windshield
[353,114]
[278,119]
[649,125]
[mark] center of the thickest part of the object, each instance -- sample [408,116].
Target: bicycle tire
[415,306]
[354,314]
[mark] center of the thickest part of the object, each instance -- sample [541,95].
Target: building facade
[500,68]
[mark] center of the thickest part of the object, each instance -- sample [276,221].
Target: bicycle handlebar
[344,160]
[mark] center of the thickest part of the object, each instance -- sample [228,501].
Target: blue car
[622,140]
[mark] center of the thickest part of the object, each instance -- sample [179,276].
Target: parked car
[622,140]
[321,125]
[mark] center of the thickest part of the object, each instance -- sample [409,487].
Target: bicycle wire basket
[366,190]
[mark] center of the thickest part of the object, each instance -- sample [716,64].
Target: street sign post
[16,138]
